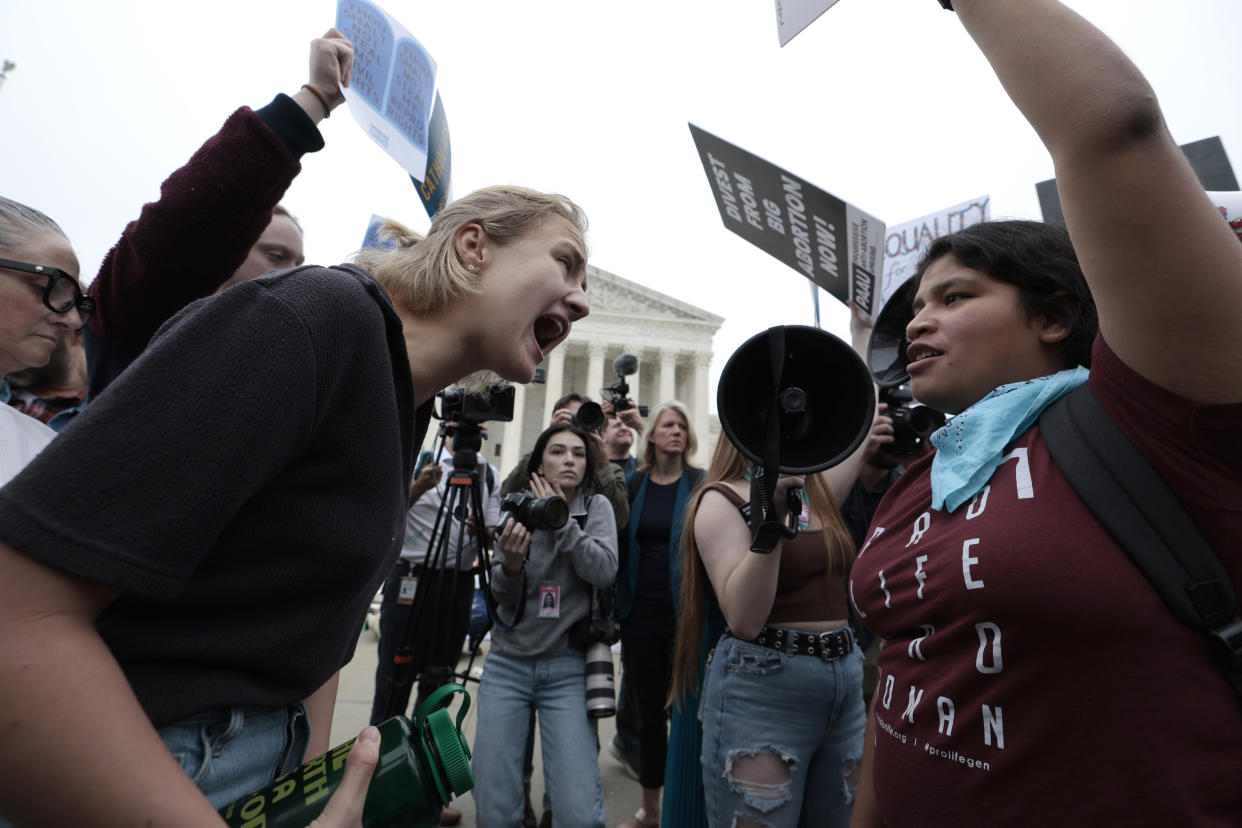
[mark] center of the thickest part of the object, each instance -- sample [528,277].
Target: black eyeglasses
[62,293]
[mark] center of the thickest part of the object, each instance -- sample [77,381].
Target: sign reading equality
[905,244]
[832,243]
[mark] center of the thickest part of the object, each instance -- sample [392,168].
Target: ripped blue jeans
[782,736]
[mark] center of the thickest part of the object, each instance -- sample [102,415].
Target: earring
[472,268]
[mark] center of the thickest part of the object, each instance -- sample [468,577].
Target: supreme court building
[673,343]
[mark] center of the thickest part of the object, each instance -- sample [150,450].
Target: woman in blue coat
[649,578]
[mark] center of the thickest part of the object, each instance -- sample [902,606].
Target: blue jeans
[807,711]
[556,688]
[229,753]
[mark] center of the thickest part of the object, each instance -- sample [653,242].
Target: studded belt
[826,645]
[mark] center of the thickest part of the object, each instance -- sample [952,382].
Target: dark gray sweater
[244,484]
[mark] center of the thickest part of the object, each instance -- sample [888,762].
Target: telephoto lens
[601,694]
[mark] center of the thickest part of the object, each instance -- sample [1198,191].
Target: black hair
[536,454]
[1039,260]
[571,397]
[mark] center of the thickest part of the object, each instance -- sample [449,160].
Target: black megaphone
[886,352]
[803,385]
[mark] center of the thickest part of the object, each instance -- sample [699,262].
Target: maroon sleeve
[1196,449]
[182,247]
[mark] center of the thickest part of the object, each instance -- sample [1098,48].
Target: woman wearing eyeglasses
[39,301]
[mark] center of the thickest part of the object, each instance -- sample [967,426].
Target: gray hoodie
[559,572]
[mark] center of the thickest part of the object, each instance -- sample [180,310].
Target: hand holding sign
[393,97]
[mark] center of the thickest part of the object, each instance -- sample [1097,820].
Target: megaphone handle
[793,506]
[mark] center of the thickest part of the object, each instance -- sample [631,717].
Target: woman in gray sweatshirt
[548,574]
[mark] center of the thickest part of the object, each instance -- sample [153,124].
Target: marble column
[511,448]
[595,370]
[554,383]
[699,403]
[668,375]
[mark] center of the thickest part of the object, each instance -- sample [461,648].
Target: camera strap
[1135,505]
[493,609]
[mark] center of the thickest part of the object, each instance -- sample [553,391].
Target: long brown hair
[729,465]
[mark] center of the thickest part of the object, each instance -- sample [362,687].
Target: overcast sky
[884,103]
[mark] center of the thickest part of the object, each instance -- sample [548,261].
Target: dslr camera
[912,424]
[589,417]
[550,512]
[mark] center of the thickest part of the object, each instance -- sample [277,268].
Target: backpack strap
[1137,508]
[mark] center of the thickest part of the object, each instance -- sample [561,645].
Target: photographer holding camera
[541,582]
[608,478]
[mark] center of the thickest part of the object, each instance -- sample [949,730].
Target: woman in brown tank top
[781,700]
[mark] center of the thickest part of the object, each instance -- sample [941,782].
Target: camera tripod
[440,576]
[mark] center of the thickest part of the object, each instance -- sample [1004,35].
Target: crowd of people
[250,427]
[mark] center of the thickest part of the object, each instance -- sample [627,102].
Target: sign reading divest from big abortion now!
[832,243]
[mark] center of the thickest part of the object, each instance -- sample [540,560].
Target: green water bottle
[422,766]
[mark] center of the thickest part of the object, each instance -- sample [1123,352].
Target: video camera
[494,404]
[624,366]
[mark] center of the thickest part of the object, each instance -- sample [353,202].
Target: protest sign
[434,187]
[832,243]
[905,244]
[371,237]
[792,16]
[1207,158]
[393,93]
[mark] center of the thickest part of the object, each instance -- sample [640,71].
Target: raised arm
[1165,270]
[209,215]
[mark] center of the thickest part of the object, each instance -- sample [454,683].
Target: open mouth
[918,353]
[549,330]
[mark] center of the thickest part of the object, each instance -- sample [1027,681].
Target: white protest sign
[393,87]
[792,16]
[904,244]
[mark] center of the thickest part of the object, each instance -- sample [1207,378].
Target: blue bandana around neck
[969,447]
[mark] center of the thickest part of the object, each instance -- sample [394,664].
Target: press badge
[550,601]
[409,584]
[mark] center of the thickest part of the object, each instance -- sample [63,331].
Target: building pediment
[612,295]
